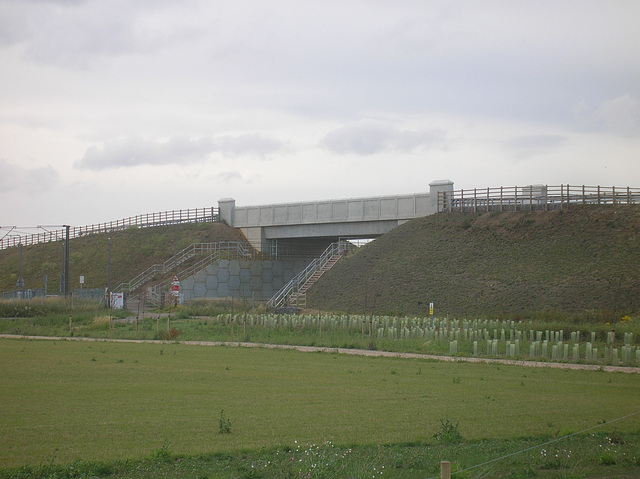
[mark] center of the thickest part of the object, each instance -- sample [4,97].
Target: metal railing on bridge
[163,218]
[534,197]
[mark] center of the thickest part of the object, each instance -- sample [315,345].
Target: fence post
[501,199]
[487,199]
[613,195]
[515,199]
[475,200]
[445,470]
[546,197]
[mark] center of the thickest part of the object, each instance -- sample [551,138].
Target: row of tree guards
[464,337]
[489,338]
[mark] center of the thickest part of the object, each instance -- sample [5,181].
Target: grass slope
[132,251]
[581,260]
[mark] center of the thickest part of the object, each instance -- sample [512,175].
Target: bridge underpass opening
[358,242]
[308,248]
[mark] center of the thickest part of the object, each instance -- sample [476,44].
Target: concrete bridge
[308,227]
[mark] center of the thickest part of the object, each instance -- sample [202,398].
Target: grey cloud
[13,26]
[620,115]
[368,138]
[77,33]
[25,180]
[229,176]
[249,144]
[135,150]
[531,145]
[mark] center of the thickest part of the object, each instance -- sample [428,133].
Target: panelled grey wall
[241,279]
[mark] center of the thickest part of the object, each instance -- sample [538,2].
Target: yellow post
[445,470]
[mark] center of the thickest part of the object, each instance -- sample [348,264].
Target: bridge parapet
[377,208]
[334,211]
[355,217]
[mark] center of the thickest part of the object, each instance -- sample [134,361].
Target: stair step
[299,297]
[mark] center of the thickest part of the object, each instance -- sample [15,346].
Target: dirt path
[354,352]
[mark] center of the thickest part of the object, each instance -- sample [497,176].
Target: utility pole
[20,277]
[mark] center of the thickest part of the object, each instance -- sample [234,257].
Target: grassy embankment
[132,251]
[581,264]
[578,264]
[150,403]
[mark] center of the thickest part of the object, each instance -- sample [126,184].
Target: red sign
[175,285]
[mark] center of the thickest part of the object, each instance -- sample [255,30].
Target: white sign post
[117,300]
[175,289]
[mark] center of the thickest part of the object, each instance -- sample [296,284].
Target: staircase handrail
[301,278]
[235,248]
[242,249]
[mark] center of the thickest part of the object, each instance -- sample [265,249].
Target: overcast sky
[110,109]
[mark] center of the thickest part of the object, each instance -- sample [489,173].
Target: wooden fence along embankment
[163,218]
[534,197]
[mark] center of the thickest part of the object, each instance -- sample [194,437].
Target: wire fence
[534,197]
[537,446]
[12,237]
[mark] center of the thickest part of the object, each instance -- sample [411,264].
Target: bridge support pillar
[436,187]
[254,235]
[226,207]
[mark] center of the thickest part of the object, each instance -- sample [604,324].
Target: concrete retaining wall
[241,279]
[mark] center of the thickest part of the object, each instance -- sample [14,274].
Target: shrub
[172,334]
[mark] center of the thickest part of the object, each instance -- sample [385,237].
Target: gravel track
[353,352]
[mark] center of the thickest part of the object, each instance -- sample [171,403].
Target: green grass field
[63,400]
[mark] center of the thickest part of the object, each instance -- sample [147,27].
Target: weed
[607,459]
[170,335]
[162,454]
[224,424]
[449,432]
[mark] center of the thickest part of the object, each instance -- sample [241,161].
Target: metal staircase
[210,252]
[159,275]
[294,293]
